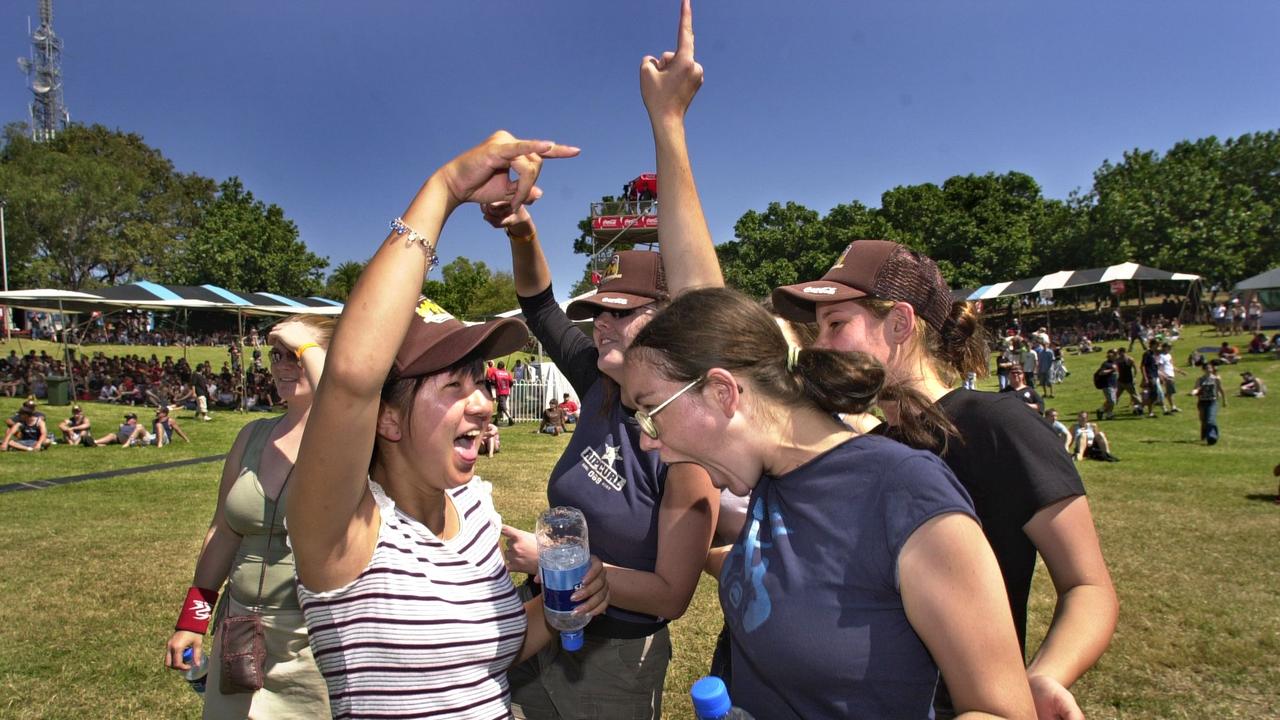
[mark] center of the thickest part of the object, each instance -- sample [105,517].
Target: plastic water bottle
[198,672]
[564,557]
[711,701]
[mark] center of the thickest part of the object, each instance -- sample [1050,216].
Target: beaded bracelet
[428,246]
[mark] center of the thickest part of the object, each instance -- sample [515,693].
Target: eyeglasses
[645,419]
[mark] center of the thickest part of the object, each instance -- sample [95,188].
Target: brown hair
[959,347]
[717,327]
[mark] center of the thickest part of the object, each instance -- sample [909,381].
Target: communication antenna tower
[44,72]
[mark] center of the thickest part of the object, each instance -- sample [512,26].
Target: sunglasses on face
[280,356]
[645,418]
[617,314]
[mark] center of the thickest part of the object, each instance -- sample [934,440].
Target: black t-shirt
[1012,464]
[1124,369]
[1109,367]
[1028,396]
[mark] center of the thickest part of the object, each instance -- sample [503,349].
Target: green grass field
[91,573]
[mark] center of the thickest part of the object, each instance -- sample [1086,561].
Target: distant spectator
[1152,388]
[489,384]
[1086,345]
[502,383]
[552,419]
[1018,386]
[200,386]
[1237,316]
[109,392]
[128,434]
[28,434]
[1044,368]
[1005,361]
[1258,344]
[1028,361]
[1253,316]
[1227,354]
[570,409]
[1126,370]
[1208,393]
[1222,319]
[518,371]
[491,441]
[29,405]
[1251,385]
[1105,379]
[75,429]
[1167,373]
[165,428]
[1063,433]
[533,369]
[1089,441]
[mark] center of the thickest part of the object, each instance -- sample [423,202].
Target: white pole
[4,256]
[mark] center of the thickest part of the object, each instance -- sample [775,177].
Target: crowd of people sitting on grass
[29,430]
[138,381]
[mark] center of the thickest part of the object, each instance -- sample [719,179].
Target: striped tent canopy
[1076,278]
[153,296]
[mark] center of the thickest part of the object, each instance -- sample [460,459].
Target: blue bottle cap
[187,655]
[571,641]
[710,697]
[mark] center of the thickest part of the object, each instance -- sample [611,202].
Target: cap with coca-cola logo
[634,279]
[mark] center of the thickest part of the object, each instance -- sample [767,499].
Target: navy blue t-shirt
[603,472]
[810,590]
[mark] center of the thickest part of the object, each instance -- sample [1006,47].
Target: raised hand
[499,215]
[483,173]
[669,83]
[292,335]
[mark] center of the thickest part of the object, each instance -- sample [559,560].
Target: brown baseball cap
[437,340]
[878,269]
[635,278]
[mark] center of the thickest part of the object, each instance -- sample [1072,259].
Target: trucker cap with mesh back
[437,340]
[634,279]
[878,269]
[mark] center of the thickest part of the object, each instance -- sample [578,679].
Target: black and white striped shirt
[428,629]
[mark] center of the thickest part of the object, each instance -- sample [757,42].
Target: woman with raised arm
[651,523]
[889,301]
[860,571]
[401,580]
[245,546]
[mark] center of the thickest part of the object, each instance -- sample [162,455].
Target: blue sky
[337,111]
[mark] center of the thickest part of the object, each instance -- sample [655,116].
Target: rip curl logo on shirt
[746,570]
[824,290]
[599,467]
[430,312]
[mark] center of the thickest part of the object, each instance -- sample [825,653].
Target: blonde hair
[323,325]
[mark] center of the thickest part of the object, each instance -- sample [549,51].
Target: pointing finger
[684,37]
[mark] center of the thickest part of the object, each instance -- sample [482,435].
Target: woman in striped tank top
[408,604]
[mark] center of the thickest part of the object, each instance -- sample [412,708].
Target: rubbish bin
[59,389]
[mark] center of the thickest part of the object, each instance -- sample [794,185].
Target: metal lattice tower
[44,72]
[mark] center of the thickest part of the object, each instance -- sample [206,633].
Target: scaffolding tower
[44,74]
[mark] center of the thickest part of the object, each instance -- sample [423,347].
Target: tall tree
[341,281]
[244,244]
[470,290]
[93,206]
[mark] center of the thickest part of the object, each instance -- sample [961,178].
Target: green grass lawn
[91,574]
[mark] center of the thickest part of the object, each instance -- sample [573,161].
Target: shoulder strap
[271,531]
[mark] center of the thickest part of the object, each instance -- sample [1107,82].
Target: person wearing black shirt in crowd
[1125,373]
[1105,379]
[1018,386]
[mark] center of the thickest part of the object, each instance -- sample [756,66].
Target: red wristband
[197,610]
